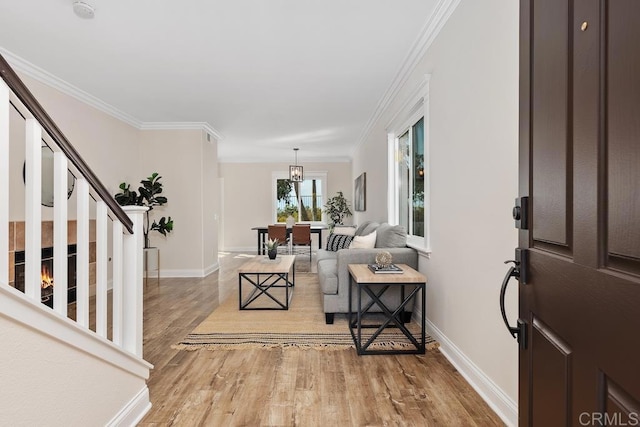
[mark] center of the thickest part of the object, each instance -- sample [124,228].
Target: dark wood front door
[580,168]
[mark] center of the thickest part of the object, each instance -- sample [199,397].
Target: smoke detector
[84,10]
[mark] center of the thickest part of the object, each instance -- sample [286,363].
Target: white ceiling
[267,75]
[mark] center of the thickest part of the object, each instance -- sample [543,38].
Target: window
[304,200]
[408,170]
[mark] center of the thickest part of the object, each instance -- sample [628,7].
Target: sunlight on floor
[243,255]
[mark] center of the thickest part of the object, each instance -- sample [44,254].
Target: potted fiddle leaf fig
[148,195]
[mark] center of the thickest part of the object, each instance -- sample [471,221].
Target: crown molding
[49,79]
[182,126]
[420,95]
[327,159]
[441,14]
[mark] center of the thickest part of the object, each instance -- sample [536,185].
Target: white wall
[473,160]
[248,197]
[211,203]
[188,166]
[107,144]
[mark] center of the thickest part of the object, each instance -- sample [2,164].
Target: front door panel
[551,126]
[580,166]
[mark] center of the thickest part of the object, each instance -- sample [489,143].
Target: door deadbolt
[519,212]
[516,213]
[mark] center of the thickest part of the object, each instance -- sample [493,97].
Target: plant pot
[151,259]
[272,253]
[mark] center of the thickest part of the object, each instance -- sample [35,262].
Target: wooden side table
[375,285]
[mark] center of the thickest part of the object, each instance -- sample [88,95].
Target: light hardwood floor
[285,387]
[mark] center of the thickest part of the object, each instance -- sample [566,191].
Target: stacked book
[390,269]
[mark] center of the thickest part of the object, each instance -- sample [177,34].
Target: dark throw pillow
[335,242]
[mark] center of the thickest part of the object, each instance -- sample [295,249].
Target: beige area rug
[301,327]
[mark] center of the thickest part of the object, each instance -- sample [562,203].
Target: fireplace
[47,274]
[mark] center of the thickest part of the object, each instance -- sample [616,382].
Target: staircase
[82,366]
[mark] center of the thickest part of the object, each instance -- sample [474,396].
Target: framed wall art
[360,203]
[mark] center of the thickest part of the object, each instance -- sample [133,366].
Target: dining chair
[301,236]
[279,231]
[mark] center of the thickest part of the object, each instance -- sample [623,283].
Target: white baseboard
[213,267]
[181,273]
[503,405]
[134,411]
[189,273]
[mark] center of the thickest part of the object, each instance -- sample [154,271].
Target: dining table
[263,232]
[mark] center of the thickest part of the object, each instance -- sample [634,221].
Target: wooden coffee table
[375,285]
[266,276]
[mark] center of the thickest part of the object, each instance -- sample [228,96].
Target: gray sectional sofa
[333,270]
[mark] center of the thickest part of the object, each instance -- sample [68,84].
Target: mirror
[47,177]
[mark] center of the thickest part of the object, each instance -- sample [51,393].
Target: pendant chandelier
[296,173]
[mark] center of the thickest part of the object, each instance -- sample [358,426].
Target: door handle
[519,331]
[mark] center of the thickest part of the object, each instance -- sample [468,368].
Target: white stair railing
[33,211]
[124,230]
[4,179]
[60,230]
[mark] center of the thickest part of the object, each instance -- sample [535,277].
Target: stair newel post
[133,267]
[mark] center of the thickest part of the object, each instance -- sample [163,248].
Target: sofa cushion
[325,254]
[336,242]
[364,242]
[361,227]
[349,230]
[391,236]
[368,229]
[328,276]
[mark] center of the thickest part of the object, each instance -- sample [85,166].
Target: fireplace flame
[47,278]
